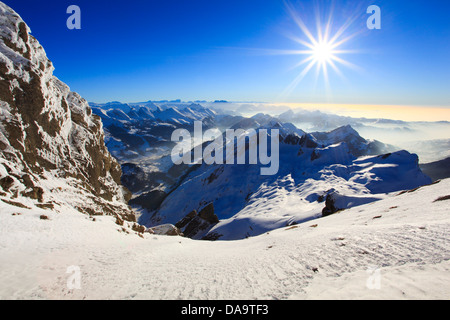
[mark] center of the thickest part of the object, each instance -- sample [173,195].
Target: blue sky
[139,50]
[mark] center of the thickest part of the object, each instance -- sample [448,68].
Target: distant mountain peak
[347,129]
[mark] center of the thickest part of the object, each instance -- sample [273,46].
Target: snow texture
[396,248]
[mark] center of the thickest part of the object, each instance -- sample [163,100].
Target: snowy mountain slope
[396,248]
[139,136]
[357,145]
[51,145]
[315,177]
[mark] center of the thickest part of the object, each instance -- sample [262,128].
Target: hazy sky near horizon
[237,50]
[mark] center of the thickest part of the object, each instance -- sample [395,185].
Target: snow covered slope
[396,248]
[52,151]
[319,174]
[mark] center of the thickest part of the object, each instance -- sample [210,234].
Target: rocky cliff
[52,149]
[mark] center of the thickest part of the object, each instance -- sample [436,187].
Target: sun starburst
[323,50]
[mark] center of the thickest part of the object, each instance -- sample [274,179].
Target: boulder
[330,207]
[207,213]
[194,224]
[165,230]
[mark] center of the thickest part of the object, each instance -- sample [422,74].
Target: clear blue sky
[139,50]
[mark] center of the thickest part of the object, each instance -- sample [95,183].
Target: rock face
[207,214]
[194,225]
[330,206]
[48,133]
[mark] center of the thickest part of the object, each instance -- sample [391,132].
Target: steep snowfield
[396,248]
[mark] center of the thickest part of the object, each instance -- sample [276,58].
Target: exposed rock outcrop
[194,225]
[207,214]
[330,205]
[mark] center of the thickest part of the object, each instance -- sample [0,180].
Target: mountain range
[320,172]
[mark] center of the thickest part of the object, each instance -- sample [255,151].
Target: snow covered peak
[339,134]
[358,146]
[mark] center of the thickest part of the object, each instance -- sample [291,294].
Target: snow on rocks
[165,229]
[50,142]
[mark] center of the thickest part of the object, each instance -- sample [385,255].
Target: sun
[322,52]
